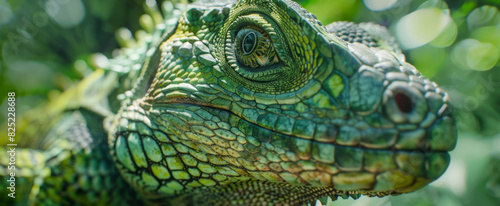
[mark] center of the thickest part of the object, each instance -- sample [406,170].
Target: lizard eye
[254,48]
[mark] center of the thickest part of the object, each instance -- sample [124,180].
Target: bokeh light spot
[482,56]
[421,27]
[482,16]
[460,50]
[99,60]
[379,5]
[5,14]
[489,34]
[447,36]
[475,55]
[66,13]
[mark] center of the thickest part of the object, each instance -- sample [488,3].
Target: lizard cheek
[365,88]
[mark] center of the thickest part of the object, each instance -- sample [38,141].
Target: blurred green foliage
[455,43]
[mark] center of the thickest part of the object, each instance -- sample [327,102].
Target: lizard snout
[422,114]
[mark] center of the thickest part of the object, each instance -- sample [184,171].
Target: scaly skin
[309,111]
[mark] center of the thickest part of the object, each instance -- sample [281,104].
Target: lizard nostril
[404,102]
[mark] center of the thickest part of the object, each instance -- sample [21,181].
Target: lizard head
[254,98]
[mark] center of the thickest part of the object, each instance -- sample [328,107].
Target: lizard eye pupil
[249,42]
[254,48]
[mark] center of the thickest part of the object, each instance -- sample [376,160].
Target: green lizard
[241,103]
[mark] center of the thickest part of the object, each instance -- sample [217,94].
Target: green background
[44,44]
